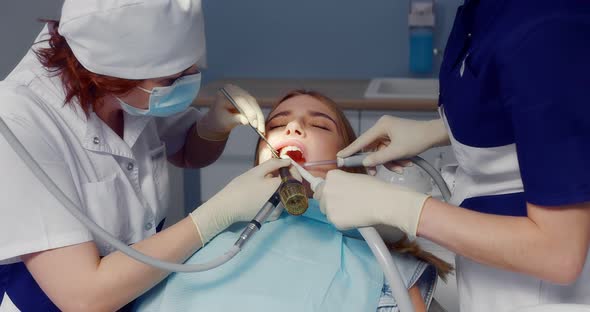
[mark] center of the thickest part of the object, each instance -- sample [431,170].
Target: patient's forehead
[304,104]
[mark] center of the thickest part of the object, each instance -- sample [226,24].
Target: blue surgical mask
[170,100]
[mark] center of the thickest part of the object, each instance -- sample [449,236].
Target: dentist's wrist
[438,129]
[210,221]
[406,211]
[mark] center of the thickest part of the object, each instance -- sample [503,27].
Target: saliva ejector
[352,161]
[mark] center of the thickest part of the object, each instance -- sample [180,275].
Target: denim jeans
[414,272]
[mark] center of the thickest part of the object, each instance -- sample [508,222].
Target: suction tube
[107,237]
[390,270]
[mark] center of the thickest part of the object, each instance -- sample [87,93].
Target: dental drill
[258,220]
[371,236]
[101,234]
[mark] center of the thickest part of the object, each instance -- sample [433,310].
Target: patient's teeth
[287,149]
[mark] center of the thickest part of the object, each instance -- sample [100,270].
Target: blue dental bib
[293,264]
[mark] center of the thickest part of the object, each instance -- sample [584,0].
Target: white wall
[19,27]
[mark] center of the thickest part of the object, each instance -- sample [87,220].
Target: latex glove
[222,117]
[239,201]
[352,200]
[399,138]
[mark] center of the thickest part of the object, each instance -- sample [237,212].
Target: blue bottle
[421,22]
[421,47]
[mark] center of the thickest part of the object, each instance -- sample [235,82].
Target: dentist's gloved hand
[222,116]
[397,138]
[352,200]
[239,201]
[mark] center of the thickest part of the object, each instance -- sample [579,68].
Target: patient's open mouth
[293,152]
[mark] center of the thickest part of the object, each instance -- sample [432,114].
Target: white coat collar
[101,138]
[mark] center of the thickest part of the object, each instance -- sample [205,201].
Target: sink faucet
[421,24]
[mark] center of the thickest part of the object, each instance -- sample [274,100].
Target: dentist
[101,101]
[515,107]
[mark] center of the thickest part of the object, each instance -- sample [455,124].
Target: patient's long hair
[404,245]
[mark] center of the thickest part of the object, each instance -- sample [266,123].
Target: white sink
[402,88]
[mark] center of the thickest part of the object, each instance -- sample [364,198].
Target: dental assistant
[515,107]
[101,101]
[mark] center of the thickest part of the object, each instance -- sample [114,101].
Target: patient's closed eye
[321,123]
[276,126]
[322,127]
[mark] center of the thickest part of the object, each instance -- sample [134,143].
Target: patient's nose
[294,128]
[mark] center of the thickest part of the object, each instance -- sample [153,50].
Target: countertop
[349,94]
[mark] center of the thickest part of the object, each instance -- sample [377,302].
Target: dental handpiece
[352,161]
[258,220]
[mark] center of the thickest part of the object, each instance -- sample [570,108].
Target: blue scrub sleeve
[546,86]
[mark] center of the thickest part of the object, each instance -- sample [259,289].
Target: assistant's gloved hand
[240,200]
[352,200]
[222,116]
[402,138]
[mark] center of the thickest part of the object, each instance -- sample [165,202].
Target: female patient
[299,263]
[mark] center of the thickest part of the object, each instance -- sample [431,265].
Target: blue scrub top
[518,72]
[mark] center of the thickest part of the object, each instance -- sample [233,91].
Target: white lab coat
[494,171]
[120,183]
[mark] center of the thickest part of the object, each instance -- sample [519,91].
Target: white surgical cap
[135,39]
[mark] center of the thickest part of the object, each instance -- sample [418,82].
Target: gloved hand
[240,200]
[403,138]
[222,117]
[352,200]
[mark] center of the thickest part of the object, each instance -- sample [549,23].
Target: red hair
[79,83]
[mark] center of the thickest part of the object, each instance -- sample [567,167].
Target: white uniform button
[148,226]
[96,140]
[130,166]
